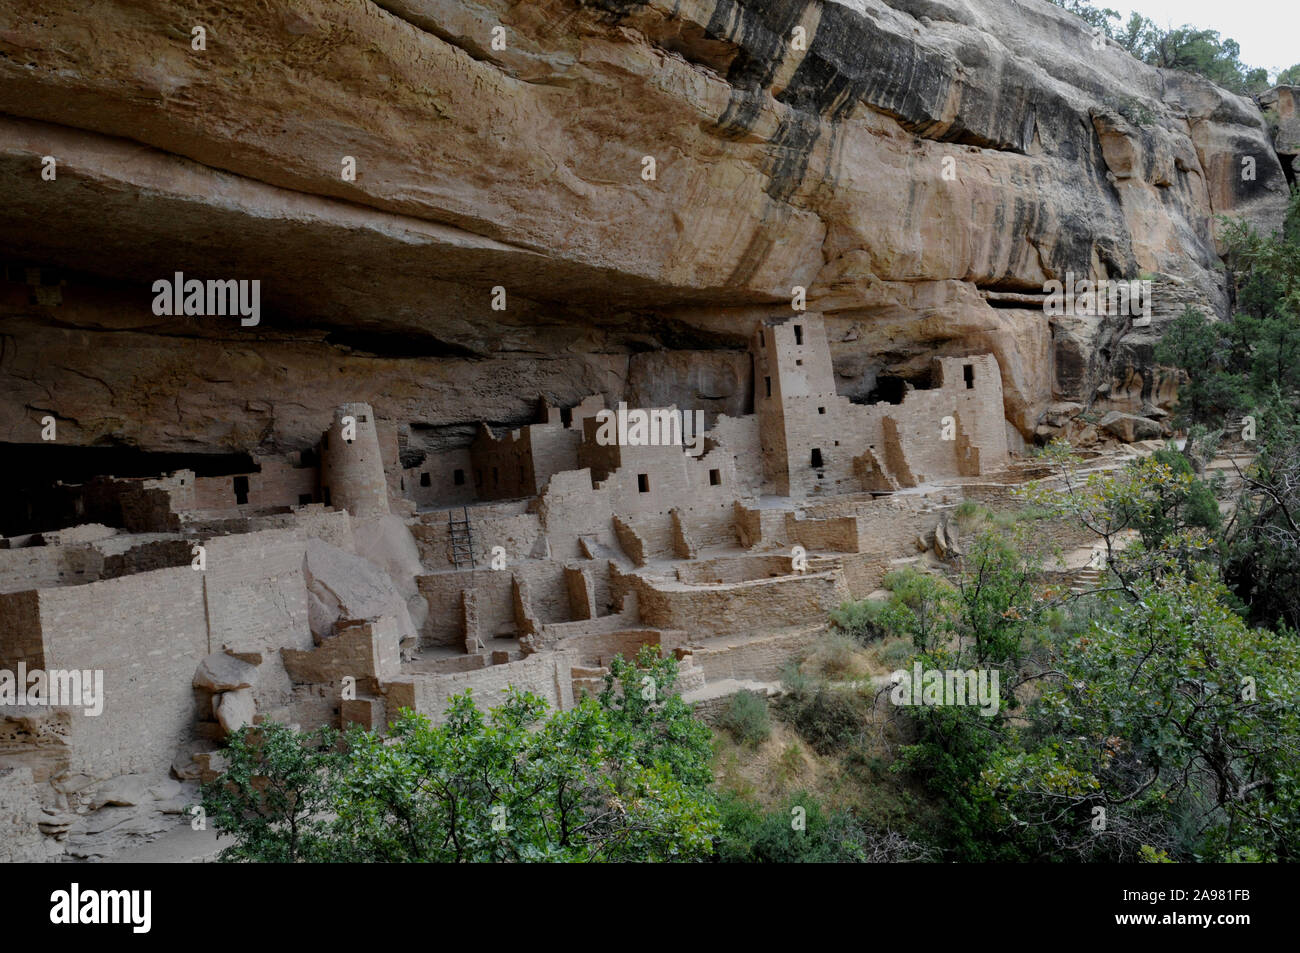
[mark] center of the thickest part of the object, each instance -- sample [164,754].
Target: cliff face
[922,167]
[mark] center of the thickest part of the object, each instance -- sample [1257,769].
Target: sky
[1267,30]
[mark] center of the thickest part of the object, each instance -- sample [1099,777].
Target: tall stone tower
[795,399]
[352,471]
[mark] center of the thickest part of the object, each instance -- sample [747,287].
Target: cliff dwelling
[491,404]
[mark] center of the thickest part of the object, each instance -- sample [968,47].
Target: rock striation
[921,167]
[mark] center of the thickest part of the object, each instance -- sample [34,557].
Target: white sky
[1267,30]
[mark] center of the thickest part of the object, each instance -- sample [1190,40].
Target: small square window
[715,478]
[304,499]
[798,363]
[643,482]
[821,410]
[362,418]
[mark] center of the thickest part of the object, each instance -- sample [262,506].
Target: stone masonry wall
[546,674]
[147,633]
[739,607]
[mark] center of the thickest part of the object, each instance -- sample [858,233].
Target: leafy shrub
[793,680]
[896,652]
[791,763]
[970,514]
[837,656]
[804,832]
[827,718]
[746,719]
[611,779]
[861,620]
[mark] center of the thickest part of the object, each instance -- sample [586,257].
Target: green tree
[990,621]
[1261,547]
[1182,48]
[1173,722]
[275,794]
[612,779]
[1201,349]
[920,606]
[652,725]
[803,831]
[1180,501]
[1098,18]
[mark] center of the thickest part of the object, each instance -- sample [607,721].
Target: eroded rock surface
[922,168]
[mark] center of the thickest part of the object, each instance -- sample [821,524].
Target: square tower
[800,415]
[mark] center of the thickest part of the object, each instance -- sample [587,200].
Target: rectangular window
[798,334]
[821,410]
[767,381]
[426,481]
[304,499]
[968,372]
[241,490]
[478,477]
[643,482]
[817,458]
[361,419]
[457,478]
[715,478]
[496,477]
